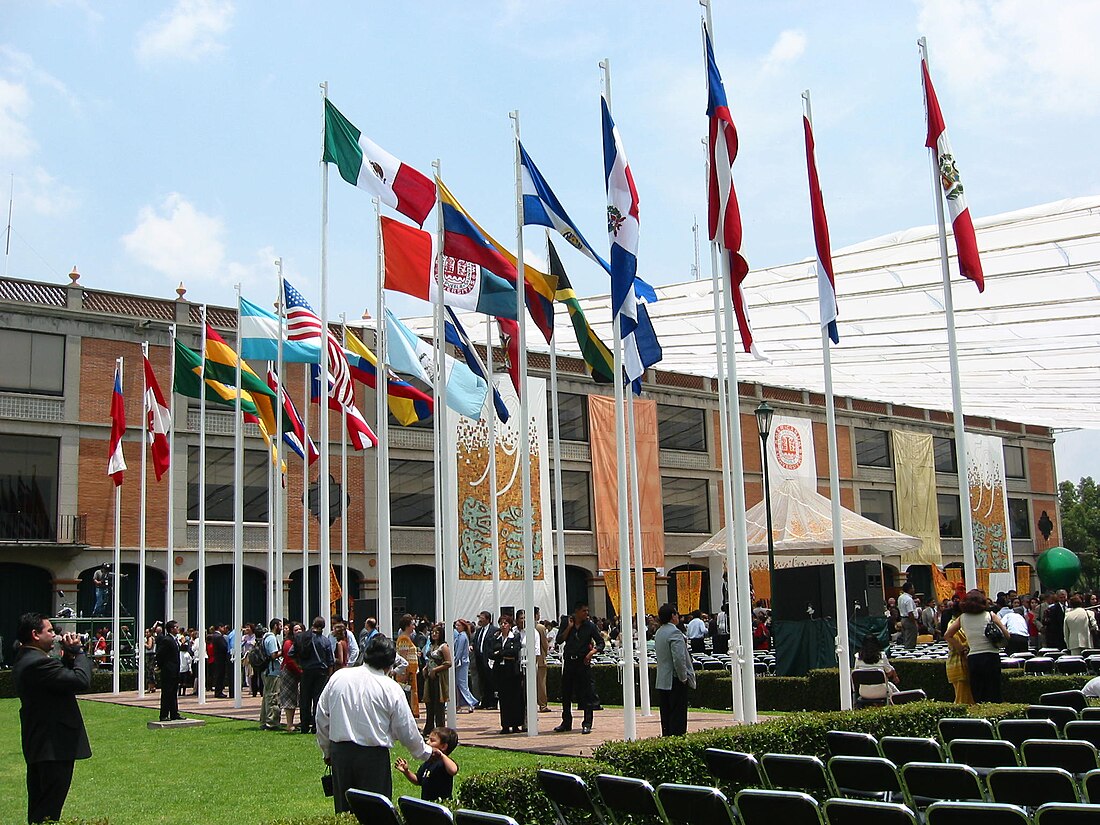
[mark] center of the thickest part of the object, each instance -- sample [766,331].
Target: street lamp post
[764,415]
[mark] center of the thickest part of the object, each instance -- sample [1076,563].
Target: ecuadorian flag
[407,404]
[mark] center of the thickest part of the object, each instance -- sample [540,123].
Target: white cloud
[43,194]
[20,64]
[788,47]
[16,142]
[190,30]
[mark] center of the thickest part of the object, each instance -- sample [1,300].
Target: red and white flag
[826,283]
[158,421]
[509,338]
[116,463]
[966,243]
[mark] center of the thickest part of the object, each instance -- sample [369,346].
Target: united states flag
[302,322]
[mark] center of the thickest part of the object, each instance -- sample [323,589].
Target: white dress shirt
[1016,624]
[364,706]
[696,629]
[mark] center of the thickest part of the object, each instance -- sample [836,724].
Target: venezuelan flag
[407,404]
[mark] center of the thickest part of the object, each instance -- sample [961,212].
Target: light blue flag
[408,354]
[260,338]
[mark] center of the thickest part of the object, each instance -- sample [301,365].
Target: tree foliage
[1080,506]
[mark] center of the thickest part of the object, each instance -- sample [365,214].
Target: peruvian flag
[966,243]
[826,283]
[116,463]
[158,421]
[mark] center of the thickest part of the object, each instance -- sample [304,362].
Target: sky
[151,144]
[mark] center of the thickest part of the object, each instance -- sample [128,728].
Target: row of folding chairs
[1040,718]
[375,809]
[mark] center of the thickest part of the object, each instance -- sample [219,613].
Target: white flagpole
[306,618]
[141,617]
[494,515]
[525,453]
[200,583]
[639,574]
[559,534]
[440,424]
[280,491]
[737,469]
[381,397]
[839,582]
[170,542]
[324,602]
[116,601]
[344,611]
[238,522]
[272,469]
[626,633]
[970,570]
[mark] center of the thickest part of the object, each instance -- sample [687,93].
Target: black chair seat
[904,749]
[965,728]
[1059,813]
[1031,787]
[372,808]
[975,813]
[694,805]
[419,812]
[1073,755]
[1017,731]
[796,772]
[765,807]
[849,743]
[733,770]
[1086,729]
[464,816]
[1075,699]
[625,796]
[568,792]
[866,777]
[1056,713]
[983,755]
[929,782]
[862,812]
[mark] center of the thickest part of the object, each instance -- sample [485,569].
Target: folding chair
[372,808]
[975,813]
[848,743]
[1058,715]
[929,782]
[1090,786]
[1075,699]
[904,749]
[1070,666]
[465,816]
[1039,665]
[983,755]
[760,807]
[862,812]
[904,697]
[1031,787]
[568,792]
[1059,813]
[871,687]
[1086,729]
[797,773]
[733,770]
[418,812]
[1091,713]
[965,728]
[695,805]
[626,798]
[867,777]
[1073,755]
[1017,731]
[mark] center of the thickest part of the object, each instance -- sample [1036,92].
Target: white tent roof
[1029,347]
[802,520]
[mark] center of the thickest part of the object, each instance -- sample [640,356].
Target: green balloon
[1058,568]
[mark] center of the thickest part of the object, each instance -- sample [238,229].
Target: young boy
[436,775]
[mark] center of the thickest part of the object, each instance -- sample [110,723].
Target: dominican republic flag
[116,463]
[410,256]
[826,283]
[260,338]
[158,421]
[639,351]
[294,431]
[367,165]
[723,213]
[407,404]
[966,243]
[456,336]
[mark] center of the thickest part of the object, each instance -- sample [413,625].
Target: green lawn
[225,772]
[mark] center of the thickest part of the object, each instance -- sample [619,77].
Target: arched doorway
[415,583]
[23,589]
[219,595]
[704,591]
[576,587]
[294,607]
[127,592]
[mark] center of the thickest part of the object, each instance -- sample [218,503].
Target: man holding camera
[52,728]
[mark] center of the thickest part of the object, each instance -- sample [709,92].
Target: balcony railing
[37,528]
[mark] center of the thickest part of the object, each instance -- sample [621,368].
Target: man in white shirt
[907,607]
[1018,636]
[696,632]
[360,713]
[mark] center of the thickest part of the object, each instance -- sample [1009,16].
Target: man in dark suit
[49,716]
[220,664]
[483,654]
[168,660]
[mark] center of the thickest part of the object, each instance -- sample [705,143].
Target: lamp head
[764,415]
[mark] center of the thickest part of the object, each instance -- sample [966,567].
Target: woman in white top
[983,659]
[871,657]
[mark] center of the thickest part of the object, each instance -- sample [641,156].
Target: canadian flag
[158,421]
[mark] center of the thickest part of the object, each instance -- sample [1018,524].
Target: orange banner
[689,585]
[649,588]
[335,592]
[605,484]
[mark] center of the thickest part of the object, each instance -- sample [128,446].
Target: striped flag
[407,404]
[116,462]
[260,338]
[158,421]
[302,323]
[826,283]
[359,431]
[294,431]
[962,227]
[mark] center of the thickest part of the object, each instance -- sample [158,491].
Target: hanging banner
[985,475]
[791,451]
[915,478]
[649,588]
[468,501]
[605,484]
[689,586]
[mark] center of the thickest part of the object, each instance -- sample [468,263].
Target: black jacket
[483,642]
[52,727]
[168,655]
[580,640]
[506,654]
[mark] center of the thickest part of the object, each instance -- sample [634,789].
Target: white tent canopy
[1029,347]
[802,520]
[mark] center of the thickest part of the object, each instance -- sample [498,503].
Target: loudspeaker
[797,589]
[364,609]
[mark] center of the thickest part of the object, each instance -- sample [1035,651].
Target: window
[944,452]
[28,488]
[872,448]
[877,505]
[950,517]
[412,494]
[686,505]
[682,428]
[219,484]
[1019,520]
[572,416]
[576,510]
[32,362]
[1014,461]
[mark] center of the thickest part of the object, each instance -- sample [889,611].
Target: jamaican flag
[597,357]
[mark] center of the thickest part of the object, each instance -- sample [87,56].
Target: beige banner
[601,420]
[915,477]
[689,587]
[985,473]
[649,587]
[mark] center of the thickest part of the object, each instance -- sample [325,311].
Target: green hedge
[102,682]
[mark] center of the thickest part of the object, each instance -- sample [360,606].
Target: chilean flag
[116,463]
[966,243]
[723,213]
[826,283]
[158,422]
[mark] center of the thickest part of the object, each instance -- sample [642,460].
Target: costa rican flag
[116,462]
[826,283]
